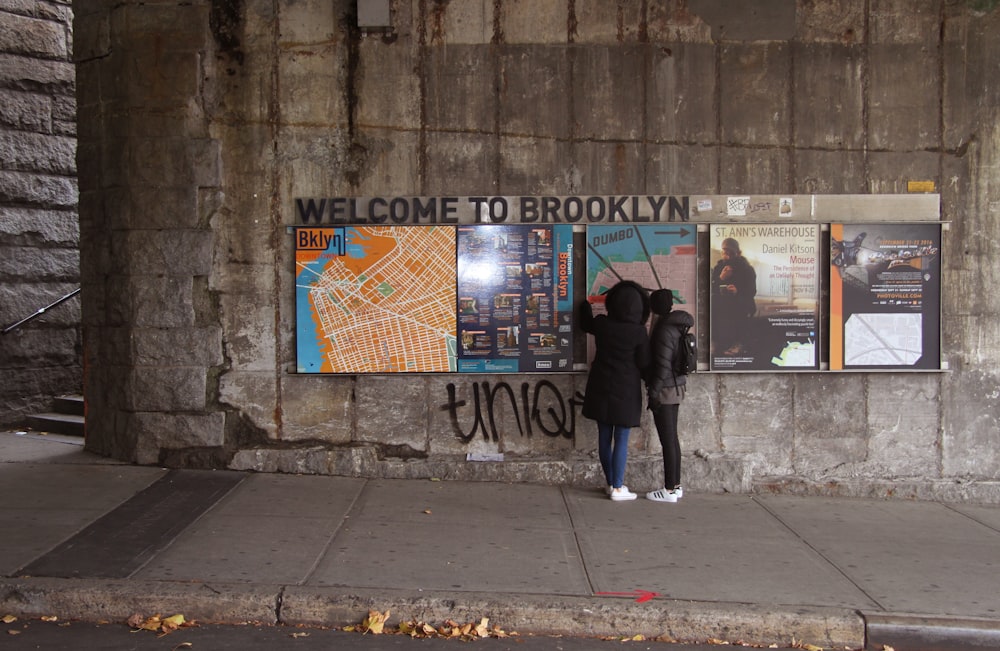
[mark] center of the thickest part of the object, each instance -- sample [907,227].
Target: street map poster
[515,298]
[764,297]
[375,299]
[885,296]
[657,256]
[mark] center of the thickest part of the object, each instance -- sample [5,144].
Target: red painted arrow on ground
[641,596]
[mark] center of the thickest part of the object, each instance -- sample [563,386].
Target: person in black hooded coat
[614,386]
[666,389]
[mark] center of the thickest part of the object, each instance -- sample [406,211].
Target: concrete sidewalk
[84,537]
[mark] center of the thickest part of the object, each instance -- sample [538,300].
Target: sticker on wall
[375,299]
[737,206]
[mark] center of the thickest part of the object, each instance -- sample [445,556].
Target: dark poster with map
[885,296]
[515,298]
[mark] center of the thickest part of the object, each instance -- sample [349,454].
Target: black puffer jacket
[664,341]
[614,386]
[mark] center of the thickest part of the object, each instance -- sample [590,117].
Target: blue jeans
[612,448]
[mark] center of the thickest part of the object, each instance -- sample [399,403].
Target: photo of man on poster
[734,286]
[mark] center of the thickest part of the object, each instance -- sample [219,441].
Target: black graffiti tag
[544,408]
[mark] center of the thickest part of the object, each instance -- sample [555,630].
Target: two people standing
[624,357]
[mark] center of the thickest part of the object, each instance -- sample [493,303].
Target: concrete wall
[39,226]
[201,122]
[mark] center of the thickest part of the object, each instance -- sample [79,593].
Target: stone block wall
[201,122]
[39,226]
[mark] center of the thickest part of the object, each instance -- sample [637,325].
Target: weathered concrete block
[827,439]
[21,300]
[37,227]
[309,21]
[248,331]
[606,22]
[970,431]
[755,103]
[345,462]
[890,171]
[534,98]
[757,420]
[461,164]
[305,69]
[144,207]
[460,89]
[463,23]
[680,96]
[674,166]
[390,94]
[192,346]
[317,409]
[758,21]
[828,96]
[178,252]
[675,23]
[155,431]
[387,168]
[22,263]
[903,423]
[149,301]
[30,346]
[255,395]
[41,190]
[91,36]
[899,21]
[522,158]
[812,167]
[832,21]
[755,171]
[534,21]
[900,117]
[607,103]
[609,167]
[52,75]
[32,37]
[26,111]
[392,411]
[167,388]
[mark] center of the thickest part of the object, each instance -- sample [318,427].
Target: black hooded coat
[614,386]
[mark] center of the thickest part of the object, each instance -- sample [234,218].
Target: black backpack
[686,356]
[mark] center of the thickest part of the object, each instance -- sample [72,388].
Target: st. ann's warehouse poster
[885,296]
[764,297]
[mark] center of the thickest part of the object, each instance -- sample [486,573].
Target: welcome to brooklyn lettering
[492,210]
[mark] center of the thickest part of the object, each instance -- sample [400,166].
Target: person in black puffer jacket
[665,390]
[614,387]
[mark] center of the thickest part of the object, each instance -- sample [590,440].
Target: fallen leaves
[375,624]
[157,624]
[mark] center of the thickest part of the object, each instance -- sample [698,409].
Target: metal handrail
[40,312]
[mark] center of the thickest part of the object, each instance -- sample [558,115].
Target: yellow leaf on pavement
[8,619]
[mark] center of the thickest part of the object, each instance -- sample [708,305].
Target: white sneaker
[662,495]
[622,494]
[679,492]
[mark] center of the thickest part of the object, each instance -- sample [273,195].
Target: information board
[515,298]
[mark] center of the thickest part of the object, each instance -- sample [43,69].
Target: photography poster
[885,296]
[515,298]
[657,256]
[764,297]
